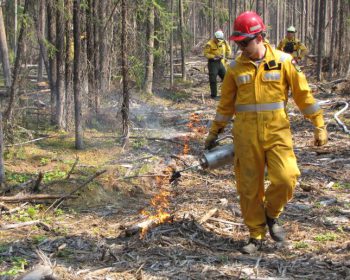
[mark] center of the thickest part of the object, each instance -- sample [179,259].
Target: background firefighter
[255,89]
[292,45]
[217,50]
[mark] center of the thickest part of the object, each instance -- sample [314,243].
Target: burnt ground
[88,238]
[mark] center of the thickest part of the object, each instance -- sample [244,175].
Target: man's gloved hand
[320,135]
[210,141]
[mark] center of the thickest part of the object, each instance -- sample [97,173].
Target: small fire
[159,203]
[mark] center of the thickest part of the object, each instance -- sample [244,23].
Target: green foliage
[17,178]
[139,143]
[137,70]
[329,236]
[17,266]
[38,238]
[44,161]
[339,186]
[54,175]
[15,153]
[300,245]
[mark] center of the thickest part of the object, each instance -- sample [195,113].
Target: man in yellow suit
[255,89]
[217,50]
[292,45]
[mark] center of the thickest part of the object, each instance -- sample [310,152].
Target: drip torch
[211,159]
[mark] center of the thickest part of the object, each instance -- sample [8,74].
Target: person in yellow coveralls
[255,89]
[217,50]
[292,45]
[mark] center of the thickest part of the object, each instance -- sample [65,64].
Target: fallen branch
[33,197]
[146,225]
[71,170]
[208,215]
[24,224]
[4,207]
[145,175]
[31,141]
[62,198]
[346,130]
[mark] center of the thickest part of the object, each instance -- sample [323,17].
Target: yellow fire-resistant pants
[263,139]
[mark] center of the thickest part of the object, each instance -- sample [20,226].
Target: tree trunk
[90,53]
[321,30]
[96,64]
[4,51]
[333,40]
[125,74]
[102,78]
[2,165]
[17,68]
[51,19]
[77,95]
[316,25]
[41,29]
[172,44]
[148,82]
[60,98]
[181,23]
[259,7]
[277,21]
[69,66]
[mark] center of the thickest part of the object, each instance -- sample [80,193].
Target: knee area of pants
[286,180]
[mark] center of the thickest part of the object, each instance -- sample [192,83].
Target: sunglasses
[244,43]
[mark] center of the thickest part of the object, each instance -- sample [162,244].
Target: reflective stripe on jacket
[300,49]
[245,84]
[213,49]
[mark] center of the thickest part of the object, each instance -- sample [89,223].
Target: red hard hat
[247,25]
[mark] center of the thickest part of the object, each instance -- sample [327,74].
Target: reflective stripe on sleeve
[311,109]
[232,63]
[259,107]
[243,79]
[222,118]
[284,56]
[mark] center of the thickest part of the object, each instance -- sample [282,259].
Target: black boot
[252,247]
[277,232]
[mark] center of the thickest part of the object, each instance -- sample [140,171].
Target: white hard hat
[219,35]
[291,29]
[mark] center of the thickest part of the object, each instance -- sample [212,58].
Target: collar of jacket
[213,44]
[269,55]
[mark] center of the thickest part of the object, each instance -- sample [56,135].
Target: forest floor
[89,237]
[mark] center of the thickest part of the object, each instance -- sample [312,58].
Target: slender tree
[148,81]
[51,37]
[321,38]
[181,34]
[60,97]
[2,165]
[172,44]
[76,83]
[16,70]
[4,51]
[125,74]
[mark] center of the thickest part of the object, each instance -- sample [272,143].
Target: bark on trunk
[4,51]
[2,165]
[77,95]
[181,23]
[125,74]
[16,71]
[60,98]
[148,82]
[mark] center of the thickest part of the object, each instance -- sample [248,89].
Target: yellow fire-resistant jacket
[300,49]
[213,49]
[245,84]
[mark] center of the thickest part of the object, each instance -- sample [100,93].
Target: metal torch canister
[218,156]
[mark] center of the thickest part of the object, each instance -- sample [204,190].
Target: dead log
[25,224]
[4,207]
[32,197]
[39,272]
[146,225]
